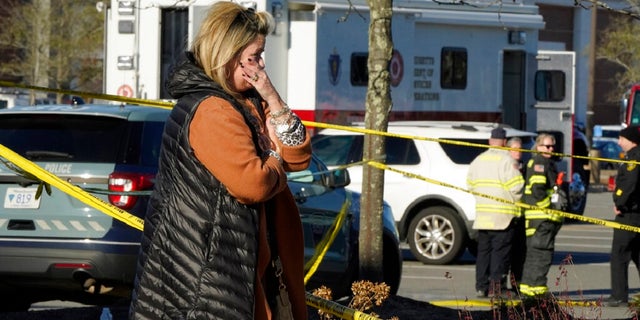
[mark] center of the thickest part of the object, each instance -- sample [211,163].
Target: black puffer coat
[193,227]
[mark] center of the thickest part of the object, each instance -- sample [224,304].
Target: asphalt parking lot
[580,273]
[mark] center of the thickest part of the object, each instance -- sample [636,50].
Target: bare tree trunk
[378,105]
[40,48]
[49,43]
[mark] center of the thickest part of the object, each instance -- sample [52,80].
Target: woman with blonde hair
[221,211]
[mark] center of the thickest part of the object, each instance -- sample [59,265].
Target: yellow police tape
[337,309]
[138,223]
[114,211]
[70,189]
[601,222]
[146,102]
[329,306]
[327,240]
[458,304]
[170,104]
[455,142]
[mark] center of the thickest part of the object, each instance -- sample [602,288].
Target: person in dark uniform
[541,227]
[626,199]
[519,247]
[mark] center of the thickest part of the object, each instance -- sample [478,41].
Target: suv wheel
[436,235]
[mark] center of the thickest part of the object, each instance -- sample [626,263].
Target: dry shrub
[366,295]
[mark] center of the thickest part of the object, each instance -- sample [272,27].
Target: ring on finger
[255,77]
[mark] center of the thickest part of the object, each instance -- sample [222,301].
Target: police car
[50,238]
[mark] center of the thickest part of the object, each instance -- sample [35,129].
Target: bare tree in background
[620,45]
[378,105]
[54,44]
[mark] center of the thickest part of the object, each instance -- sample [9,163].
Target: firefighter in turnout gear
[541,227]
[495,173]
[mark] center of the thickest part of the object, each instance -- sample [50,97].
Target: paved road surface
[580,271]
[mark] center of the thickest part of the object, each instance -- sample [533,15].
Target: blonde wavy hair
[225,32]
[540,139]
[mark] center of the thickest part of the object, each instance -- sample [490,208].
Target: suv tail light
[124,182]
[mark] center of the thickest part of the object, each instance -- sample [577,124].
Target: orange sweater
[222,141]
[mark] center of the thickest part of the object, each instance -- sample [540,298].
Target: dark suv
[106,150]
[55,238]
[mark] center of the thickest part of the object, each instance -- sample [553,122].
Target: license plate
[21,198]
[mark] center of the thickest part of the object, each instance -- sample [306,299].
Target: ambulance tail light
[128,182]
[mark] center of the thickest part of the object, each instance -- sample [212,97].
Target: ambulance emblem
[396,68]
[334,67]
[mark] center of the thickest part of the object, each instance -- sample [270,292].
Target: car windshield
[59,137]
[312,175]
[313,181]
[78,138]
[343,149]
[464,154]
[610,134]
[334,150]
[607,132]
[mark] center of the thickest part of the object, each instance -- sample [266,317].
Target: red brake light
[121,182]
[72,266]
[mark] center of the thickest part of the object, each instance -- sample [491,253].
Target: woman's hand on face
[257,77]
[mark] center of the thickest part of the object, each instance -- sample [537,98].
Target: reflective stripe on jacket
[627,194]
[540,177]
[495,173]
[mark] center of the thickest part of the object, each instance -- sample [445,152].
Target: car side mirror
[340,178]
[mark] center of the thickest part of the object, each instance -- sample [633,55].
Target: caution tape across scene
[322,304]
[22,165]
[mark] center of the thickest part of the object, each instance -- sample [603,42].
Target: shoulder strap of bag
[282,309]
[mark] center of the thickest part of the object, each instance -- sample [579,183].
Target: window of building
[550,85]
[174,33]
[359,70]
[453,68]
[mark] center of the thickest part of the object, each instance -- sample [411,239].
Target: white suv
[435,220]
